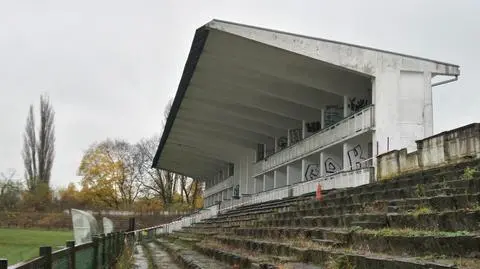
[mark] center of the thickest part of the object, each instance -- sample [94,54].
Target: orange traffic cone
[319,193]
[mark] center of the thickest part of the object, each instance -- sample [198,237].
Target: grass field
[18,244]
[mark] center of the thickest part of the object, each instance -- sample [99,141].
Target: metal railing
[349,127]
[342,179]
[187,221]
[102,252]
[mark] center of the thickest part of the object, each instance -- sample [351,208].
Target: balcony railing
[351,126]
[343,179]
[227,183]
[187,221]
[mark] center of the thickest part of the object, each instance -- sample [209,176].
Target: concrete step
[338,255]
[369,224]
[190,259]
[327,242]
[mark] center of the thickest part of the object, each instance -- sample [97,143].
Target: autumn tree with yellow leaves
[110,175]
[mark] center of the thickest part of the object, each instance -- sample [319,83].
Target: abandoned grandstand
[265,117]
[262,114]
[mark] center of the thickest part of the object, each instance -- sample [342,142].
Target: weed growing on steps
[408,232]
[125,261]
[421,210]
[469,173]
[340,262]
[420,190]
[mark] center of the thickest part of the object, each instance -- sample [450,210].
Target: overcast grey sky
[111,66]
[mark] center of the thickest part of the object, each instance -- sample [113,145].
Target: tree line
[115,174]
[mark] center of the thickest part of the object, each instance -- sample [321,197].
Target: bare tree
[162,183]
[46,143]
[29,153]
[38,155]
[10,190]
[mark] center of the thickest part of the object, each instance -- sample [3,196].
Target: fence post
[109,251]
[95,252]
[71,252]
[102,239]
[3,264]
[46,252]
[114,245]
[131,224]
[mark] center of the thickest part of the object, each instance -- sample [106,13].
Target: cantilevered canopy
[243,85]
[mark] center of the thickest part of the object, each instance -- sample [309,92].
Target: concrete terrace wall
[454,146]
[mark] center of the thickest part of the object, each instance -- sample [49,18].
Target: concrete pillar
[322,164]
[304,129]
[346,111]
[322,118]
[428,107]
[264,182]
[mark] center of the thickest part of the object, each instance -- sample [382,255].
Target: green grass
[18,245]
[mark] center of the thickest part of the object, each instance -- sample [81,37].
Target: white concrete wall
[269,181]
[403,108]
[280,177]
[294,172]
[458,145]
[259,184]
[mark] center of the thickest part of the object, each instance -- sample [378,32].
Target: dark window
[231,168]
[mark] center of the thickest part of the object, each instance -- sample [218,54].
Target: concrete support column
[346,163]
[304,170]
[346,111]
[322,164]
[304,129]
[428,107]
[264,185]
[322,118]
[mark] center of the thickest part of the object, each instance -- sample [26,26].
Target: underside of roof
[244,85]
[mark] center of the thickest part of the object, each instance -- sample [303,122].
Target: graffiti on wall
[331,166]
[312,172]
[355,157]
[356,104]
[295,135]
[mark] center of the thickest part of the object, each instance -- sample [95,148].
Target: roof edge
[209,25]
[196,50]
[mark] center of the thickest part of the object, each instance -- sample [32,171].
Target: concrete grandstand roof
[243,85]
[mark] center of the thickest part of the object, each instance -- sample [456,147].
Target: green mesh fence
[60,260]
[109,248]
[99,256]
[84,258]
